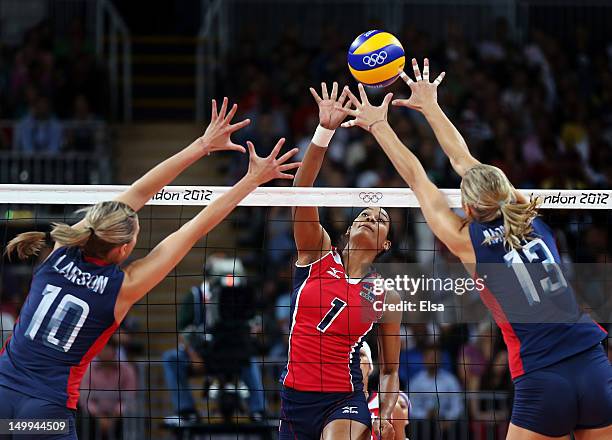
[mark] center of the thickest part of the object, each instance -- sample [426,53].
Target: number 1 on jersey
[337,306]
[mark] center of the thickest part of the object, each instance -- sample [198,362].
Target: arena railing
[111,27]
[89,167]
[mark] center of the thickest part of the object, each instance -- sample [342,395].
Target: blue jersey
[67,318]
[530,299]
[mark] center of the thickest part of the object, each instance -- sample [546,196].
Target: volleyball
[375,58]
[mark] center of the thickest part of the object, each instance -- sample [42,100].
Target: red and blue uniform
[563,380]
[68,316]
[331,314]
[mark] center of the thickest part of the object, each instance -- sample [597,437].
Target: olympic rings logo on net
[375,58]
[370,197]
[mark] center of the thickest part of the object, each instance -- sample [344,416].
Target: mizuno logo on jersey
[72,273]
[336,273]
[350,410]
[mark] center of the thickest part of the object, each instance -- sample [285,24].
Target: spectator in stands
[108,390]
[436,394]
[39,131]
[415,342]
[81,135]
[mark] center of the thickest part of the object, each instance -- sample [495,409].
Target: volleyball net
[213,336]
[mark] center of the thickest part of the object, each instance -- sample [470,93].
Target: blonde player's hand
[331,110]
[423,92]
[366,115]
[264,169]
[217,136]
[383,429]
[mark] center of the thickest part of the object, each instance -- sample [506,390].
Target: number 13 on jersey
[550,284]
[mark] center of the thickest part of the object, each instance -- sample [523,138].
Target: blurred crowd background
[533,100]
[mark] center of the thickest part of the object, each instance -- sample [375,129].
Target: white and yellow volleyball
[375,58]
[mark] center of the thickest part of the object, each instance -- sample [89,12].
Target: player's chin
[364,238]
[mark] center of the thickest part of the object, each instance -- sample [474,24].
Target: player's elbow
[389,369]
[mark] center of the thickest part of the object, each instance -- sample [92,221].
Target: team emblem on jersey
[336,273]
[367,291]
[350,410]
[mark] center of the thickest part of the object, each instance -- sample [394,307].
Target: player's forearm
[141,191]
[450,139]
[389,392]
[404,161]
[306,176]
[311,165]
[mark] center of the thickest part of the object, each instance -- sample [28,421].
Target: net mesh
[238,345]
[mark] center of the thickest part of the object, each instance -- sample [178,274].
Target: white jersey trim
[316,261]
[352,353]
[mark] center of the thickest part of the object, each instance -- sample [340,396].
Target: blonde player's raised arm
[311,239]
[424,98]
[144,274]
[444,223]
[217,137]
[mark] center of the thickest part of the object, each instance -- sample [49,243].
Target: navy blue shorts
[304,414]
[573,394]
[17,406]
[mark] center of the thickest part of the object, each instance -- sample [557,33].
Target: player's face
[370,230]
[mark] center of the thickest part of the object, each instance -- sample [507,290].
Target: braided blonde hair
[489,194]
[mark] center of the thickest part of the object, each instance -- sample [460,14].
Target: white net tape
[284,196]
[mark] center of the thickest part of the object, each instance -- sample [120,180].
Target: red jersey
[331,314]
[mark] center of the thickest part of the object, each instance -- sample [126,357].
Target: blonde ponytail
[518,219]
[26,245]
[489,194]
[106,225]
[70,236]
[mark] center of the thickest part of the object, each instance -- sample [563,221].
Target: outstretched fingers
[387,99]
[238,125]
[315,95]
[231,114]
[235,147]
[426,70]
[288,167]
[400,102]
[347,109]
[362,94]
[213,111]
[417,71]
[288,155]
[352,98]
[343,96]
[406,78]
[277,148]
[223,108]
[439,79]
[324,91]
[334,93]
[349,124]
[251,148]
